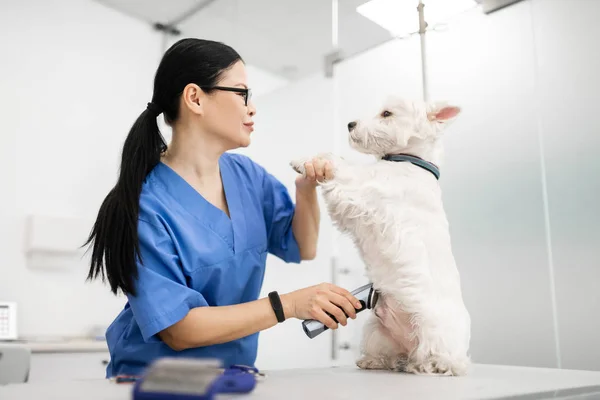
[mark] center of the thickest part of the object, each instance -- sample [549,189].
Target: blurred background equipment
[15,361]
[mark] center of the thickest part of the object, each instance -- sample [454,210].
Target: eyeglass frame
[246,91]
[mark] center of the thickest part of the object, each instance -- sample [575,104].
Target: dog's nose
[351,125]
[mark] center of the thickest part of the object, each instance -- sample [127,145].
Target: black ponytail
[114,234]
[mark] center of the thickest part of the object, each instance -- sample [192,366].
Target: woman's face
[225,113]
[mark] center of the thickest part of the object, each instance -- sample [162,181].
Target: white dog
[393,211]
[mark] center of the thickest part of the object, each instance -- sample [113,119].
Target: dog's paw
[399,364]
[368,362]
[438,366]
[429,367]
[298,165]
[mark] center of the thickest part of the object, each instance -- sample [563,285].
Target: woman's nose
[251,109]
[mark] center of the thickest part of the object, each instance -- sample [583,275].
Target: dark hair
[114,234]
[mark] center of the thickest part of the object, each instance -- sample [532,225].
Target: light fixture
[399,17]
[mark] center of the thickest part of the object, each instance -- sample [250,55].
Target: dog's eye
[386,114]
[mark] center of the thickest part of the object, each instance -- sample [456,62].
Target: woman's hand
[315,170]
[315,301]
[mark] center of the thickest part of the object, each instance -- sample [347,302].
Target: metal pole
[335,147]
[334,24]
[422,31]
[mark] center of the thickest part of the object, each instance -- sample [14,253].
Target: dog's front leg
[338,165]
[342,194]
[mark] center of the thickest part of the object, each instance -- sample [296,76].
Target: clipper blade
[372,299]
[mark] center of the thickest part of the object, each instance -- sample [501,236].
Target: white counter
[68,358]
[483,382]
[67,345]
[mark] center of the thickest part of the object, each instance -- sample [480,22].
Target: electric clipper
[365,294]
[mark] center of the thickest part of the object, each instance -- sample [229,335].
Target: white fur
[393,211]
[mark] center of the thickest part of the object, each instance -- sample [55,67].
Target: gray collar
[419,162]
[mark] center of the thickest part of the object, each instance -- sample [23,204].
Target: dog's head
[400,125]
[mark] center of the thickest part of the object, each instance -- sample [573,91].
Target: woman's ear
[193,98]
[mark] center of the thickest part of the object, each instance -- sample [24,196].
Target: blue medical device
[192,379]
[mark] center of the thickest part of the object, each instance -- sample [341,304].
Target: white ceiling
[288,38]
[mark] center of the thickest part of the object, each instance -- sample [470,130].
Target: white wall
[74,76]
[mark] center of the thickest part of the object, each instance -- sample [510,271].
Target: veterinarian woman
[186,230]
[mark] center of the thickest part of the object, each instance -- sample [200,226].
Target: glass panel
[568,99]
[492,183]
[492,176]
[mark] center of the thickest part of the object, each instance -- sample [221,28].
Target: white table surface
[483,382]
[62,345]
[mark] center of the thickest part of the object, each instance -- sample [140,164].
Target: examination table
[483,382]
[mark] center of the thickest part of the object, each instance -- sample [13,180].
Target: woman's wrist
[306,192]
[305,186]
[288,305]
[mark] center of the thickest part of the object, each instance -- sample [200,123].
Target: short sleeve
[162,296]
[279,213]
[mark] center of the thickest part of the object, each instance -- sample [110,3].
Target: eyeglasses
[247,92]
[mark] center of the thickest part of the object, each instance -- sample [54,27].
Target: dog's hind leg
[378,349]
[440,350]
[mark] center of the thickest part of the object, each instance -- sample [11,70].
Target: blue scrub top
[194,255]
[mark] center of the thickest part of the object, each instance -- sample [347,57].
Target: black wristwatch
[277,306]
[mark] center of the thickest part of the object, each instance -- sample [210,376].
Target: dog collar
[419,162]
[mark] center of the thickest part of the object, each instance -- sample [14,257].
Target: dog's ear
[443,113]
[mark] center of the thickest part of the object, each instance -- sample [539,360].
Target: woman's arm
[205,326]
[305,223]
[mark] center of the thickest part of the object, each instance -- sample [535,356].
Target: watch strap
[277,306]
